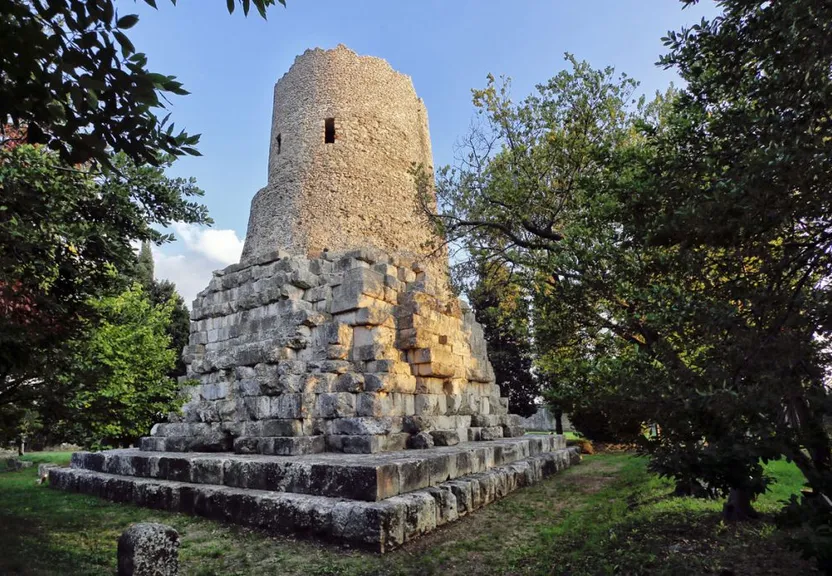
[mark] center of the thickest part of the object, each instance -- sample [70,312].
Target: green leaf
[91,83]
[230,4]
[127,47]
[126,22]
[57,110]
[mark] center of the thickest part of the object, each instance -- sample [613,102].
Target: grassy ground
[606,516]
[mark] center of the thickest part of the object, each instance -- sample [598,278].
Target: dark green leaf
[126,22]
[127,47]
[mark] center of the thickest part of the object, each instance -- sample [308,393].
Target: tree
[747,167]
[71,76]
[688,239]
[81,178]
[534,182]
[502,307]
[117,379]
[145,273]
[65,233]
[163,293]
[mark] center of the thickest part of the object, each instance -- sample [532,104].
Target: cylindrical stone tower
[346,131]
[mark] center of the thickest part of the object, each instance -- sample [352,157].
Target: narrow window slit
[329,131]
[279,142]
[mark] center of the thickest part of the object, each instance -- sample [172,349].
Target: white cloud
[221,246]
[198,251]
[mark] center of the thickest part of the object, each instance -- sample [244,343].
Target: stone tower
[336,331]
[335,387]
[346,130]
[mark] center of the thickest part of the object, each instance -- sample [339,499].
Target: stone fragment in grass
[147,549]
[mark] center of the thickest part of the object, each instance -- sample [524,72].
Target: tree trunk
[558,421]
[21,448]
[738,506]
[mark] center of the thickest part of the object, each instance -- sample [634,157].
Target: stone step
[379,526]
[368,477]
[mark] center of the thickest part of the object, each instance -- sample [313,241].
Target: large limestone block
[148,549]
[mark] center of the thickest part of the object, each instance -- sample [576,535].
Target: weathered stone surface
[147,549]
[324,195]
[272,360]
[329,474]
[446,504]
[445,437]
[260,495]
[43,472]
[421,441]
[491,433]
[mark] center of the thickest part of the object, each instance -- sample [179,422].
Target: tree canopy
[65,234]
[681,246]
[71,77]
[115,383]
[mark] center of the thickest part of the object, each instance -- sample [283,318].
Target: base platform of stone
[374,501]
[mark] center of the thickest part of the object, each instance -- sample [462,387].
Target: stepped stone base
[375,501]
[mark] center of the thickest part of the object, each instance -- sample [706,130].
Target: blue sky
[230,65]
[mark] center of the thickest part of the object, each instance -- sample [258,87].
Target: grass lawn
[606,516]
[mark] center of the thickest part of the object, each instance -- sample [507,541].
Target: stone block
[293,446]
[413,474]
[485,421]
[491,433]
[445,437]
[429,385]
[289,384]
[246,445]
[147,549]
[462,492]
[359,288]
[285,406]
[397,441]
[152,444]
[446,504]
[427,405]
[365,426]
[411,338]
[350,382]
[420,514]
[383,366]
[304,279]
[513,431]
[406,403]
[318,383]
[335,405]
[379,526]
[463,463]
[377,404]
[280,427]
[357,444]
[441,468]
[406,383]
[380,382]
[421,441]
[378,313]
[206,471]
